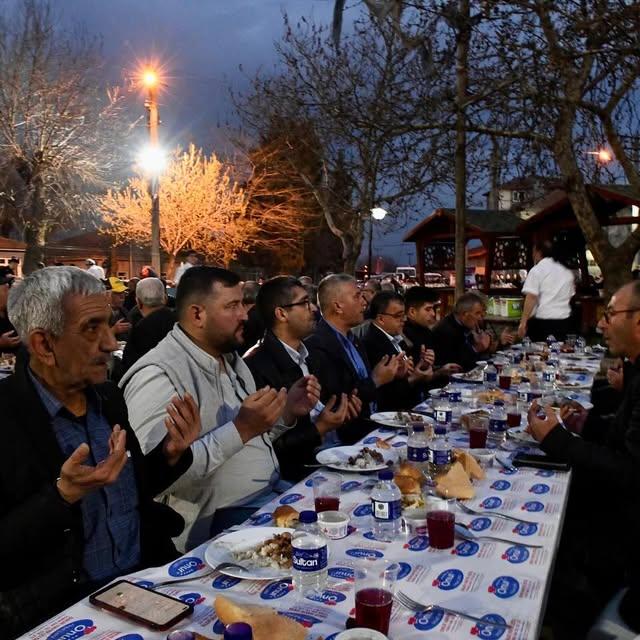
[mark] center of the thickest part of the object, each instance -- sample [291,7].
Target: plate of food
[265,552]
[475,376]
[399,419]
[574,381]
[356,458]
[490,396]
[521,435]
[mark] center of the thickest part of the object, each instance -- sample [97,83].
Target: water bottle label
[440,456]
[455,396]
[549,376]
[497,425]
[383,510]
[418,454]
[533,395]
[491,377]
[309,560]
[443,415]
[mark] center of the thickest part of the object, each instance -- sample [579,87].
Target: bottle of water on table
[386,507]
[418,448]
[490,376]
[440,453]
[309,555]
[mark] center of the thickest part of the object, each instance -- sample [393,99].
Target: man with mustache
[235,469]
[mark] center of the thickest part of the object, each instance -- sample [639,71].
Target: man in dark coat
[76,493]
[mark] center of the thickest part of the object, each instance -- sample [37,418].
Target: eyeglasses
[302,303]
[396,316]
[609,313]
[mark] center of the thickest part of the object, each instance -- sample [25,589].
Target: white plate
[520,434]
[389,419]
[221,550]
[460,377]
[337,457]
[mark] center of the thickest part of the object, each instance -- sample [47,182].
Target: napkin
[469,464]
[455,483]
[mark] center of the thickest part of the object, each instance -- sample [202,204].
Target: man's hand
[386,370]
[9,340]
[333,415]
[540,427]
[78,479]
[506,337]
[482,341]
[573,415]
[122,326]
[405,366]
[522,329]
[303,395]
[448,369]
[259,412]
[615,377]
[427,357]
[183,427]
[355,405]
[421,374]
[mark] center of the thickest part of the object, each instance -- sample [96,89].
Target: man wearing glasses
[599,549]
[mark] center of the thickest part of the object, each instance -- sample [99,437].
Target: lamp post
[377,213]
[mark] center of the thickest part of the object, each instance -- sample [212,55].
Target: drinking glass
[375,586]
[326,493]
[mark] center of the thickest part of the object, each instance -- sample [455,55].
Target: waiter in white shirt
[548,290]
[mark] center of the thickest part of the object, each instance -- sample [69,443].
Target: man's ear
[197,315]
[280,314]
[41,347]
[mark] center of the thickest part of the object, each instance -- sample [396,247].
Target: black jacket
[41,536]
[415,337]
[397,395]
[271,365]
[146,334]
[337,375]
[454,343]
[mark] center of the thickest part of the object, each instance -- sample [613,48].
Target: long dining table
[497,582]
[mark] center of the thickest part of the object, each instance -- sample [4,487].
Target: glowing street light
[377,213]
[152,160]
[149,78]
[602,155]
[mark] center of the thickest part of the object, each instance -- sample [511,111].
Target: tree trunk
[350,253]
[170,266]
[35,235]
[616,270]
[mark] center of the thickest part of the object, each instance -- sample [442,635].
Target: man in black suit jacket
[340,362]
[280,359]
[66,508]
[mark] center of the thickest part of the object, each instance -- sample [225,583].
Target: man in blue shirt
[76,493]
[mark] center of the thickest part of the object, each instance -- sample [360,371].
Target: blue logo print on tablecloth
[73,630]
[516,555]
[365,553]
[362,510]
[291,498]
[427,621]
[501,485]
[525,529]
[419,543]
[466,548]
[260,519]
[369,535]
[399,444]
[275,590]
[370,440]
[386,430]
[331,598]
[533,506]
[508,472]
[192,598]
[145,584]
[405,570]
[333,636]
[449,579]
[545,473]
[504,587]
[350,485]
[185,567]
[480,524]
[341,573]
[540,488]
[492,502]
[309,481]
[487,630]
[304,619]
[225,582]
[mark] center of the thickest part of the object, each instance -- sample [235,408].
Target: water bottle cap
[418,428]
[182,635]
[385,474]
[308,517]
[238,631]
[440,430]
[498,403]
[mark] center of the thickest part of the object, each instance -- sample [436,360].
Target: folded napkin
[455,483]
[469,464]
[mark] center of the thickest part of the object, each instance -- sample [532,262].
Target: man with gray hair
[157,321]
[77,504]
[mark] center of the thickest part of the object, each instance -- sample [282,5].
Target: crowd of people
[218,403]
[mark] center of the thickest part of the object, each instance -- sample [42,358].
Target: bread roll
[407,484]
[407,469]
[265,623]
[285,516]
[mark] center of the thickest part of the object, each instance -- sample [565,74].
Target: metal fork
[492,514]
[220,567]
[417,607]
[469,534]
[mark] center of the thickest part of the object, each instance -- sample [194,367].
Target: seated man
[235,470]
[157,321]
[382,339]
[606,476]
[280,359]
[459,338]
[77,504]
[120,325]
[339,361]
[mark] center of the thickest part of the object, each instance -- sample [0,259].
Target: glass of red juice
[504,380]
[514,417]
[478,430]
[440,526]
[374,591]
[326,493]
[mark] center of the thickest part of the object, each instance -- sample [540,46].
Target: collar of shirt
[395,340]
[51,403]
[300,356]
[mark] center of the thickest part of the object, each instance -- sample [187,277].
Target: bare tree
[60,134]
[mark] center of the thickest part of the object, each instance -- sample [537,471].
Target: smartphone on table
[539,462]
[144,606]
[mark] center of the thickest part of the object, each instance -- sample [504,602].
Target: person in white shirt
[94,269]
[548,290]
[191,261]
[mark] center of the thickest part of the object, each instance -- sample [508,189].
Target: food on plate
[265,622]
[490,396]
[469,464]
[408,485]
[274,552]
[407,469]
[409,480]
[455,483]
[381,444]
[286,516]
[475,375]
[412,501]
[575,370]
[366,458]
[7,361]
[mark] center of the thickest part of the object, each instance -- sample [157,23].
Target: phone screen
[151,606]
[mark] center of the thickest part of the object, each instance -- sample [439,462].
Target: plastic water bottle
[442,411]
[386,507]
[550,340]
[309,555]
[524,390]
[238,631]
[581,343]
[440,454]
[418,448]
[490,376]
[549,376]
[526,343]
[497,422]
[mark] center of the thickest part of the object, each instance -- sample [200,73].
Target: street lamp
[152,161]
[377,213]
[602,155]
